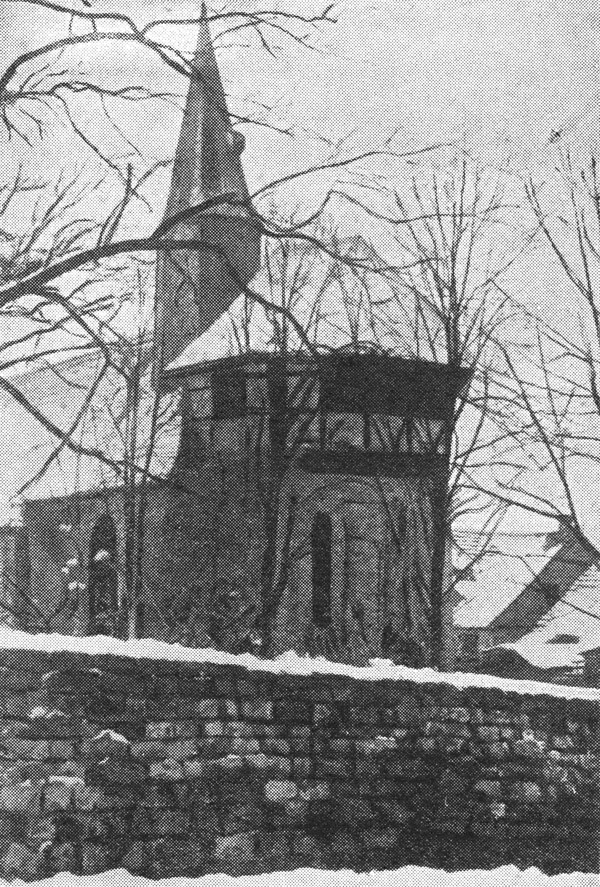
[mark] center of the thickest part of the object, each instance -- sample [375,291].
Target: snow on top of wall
[289,663]
[409,876]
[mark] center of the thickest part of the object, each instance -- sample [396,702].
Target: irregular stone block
[235,848]
[343,747]
[303,767]
[229,764]
[172,823]
[240,729]
[58,794]
[87,797]
[528,748]
[28,749]
[61,749]
[95,859]
[207,708]
[295,711]
[368,716]
[47,723]
[489,734]
[116,770]
[274,746]
[150,749]
[63,857]
[408,711]
[240,746]
[137,859]
[527,792]
[214,728]
[179,749]
[377,745]
[258,709]
[324,714]
[394,812]
[109,742]
[380,838]
[196,768]
[20,862]
[280,791]
[270,764]
[41,831]
[21,797]
[408,768]
[488,788]
[400,733]
[171,730]
[367,767]
[168,771]
[462,715]
[333,767]
[563,743]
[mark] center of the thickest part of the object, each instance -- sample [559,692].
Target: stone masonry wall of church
[175,768]
[210,540]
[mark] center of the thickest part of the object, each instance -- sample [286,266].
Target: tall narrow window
[321,569]
[103,583]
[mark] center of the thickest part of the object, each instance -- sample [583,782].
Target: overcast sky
[503,75]
[506,72]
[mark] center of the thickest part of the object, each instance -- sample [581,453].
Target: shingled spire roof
[195,286]
[207,161]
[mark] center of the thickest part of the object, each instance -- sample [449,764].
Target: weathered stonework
[225,769]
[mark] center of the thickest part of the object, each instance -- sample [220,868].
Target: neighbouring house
[529,608]
[279,496]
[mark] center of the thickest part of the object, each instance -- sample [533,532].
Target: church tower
[300,512]
[196,285]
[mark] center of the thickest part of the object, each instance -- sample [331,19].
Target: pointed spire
[207,161]
[193,290]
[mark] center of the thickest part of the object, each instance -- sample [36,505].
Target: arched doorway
[321,551]
[103,582]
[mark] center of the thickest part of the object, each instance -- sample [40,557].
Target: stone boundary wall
[172,768]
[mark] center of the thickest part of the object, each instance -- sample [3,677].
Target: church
[300,503]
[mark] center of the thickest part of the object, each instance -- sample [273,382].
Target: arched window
[320,541]
[103,583]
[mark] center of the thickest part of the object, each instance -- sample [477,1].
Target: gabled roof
[510,564]
[59,391]
[570,628]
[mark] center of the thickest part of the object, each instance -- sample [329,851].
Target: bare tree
[551,415]
[439,295]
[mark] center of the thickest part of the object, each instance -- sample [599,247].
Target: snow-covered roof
[329,316]
[59,391]
[288,663]
[510,563]
[571,627]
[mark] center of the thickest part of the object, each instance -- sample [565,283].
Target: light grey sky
[502,75]
[505,72]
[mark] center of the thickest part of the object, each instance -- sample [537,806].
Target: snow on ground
[288,663]
[410,876]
